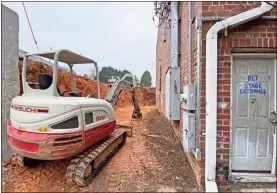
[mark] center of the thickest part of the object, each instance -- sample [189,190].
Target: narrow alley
[151,160]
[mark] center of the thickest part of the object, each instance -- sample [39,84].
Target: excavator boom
[122,84]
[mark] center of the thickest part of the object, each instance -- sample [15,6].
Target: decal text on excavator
[99,118]
[29,109]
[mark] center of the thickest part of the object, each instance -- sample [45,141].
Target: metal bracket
[198,22]
[273,117]
[226,31]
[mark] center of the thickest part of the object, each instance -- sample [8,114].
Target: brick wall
[257,34]
[198,166]
[162,64]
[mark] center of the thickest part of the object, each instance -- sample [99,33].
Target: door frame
[251,56]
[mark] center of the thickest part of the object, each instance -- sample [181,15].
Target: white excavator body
[45,125]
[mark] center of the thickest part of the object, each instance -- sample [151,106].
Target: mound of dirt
[83,84]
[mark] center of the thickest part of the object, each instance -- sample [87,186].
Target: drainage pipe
[174,35]
[190,44]
[211,87]
[269,18]
[199,34]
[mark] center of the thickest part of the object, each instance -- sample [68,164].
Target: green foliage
[146,79]
[107,72]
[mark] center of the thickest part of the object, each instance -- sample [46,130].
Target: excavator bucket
[136,116]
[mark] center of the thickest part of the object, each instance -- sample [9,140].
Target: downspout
[174,34]
[199,45]
[211,87]
[190,45]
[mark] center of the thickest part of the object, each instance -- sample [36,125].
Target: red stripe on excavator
[34,136]
[93,130]
[25,146]
[98,133]
[91,136]
[15,136]
[42,110]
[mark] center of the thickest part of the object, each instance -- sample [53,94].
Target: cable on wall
[162,13]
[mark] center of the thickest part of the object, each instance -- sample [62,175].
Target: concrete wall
[258,34]
[10,72]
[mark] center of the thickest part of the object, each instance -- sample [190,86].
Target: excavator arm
[122,84]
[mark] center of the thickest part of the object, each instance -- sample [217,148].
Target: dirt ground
[150,161]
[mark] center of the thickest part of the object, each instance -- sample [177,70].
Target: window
[71,123]
[89,118]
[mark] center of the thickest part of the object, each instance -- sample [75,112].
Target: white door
[253,101]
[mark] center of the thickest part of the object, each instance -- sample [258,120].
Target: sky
[117,34]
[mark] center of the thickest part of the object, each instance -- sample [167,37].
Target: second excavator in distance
[46,125]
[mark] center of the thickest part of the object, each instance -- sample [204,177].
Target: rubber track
[76,169]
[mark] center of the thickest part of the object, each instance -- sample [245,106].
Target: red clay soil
[152,160]
[85,85]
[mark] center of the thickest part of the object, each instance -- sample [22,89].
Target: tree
[107,72]
[146,79]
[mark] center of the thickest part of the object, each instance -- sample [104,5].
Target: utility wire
[31,29]
[30,25]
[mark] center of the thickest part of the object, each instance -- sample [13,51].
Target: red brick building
[229,106]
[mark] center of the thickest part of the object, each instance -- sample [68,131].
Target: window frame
[64,120]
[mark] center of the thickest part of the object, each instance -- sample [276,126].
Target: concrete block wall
[10,72]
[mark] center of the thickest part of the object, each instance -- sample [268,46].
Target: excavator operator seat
[45,81]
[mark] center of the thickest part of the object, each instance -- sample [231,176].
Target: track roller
[85,166]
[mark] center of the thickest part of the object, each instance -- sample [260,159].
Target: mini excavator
[45,125]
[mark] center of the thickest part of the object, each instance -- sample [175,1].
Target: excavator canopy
[64,56]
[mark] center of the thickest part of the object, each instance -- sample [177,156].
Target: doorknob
[273,117]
